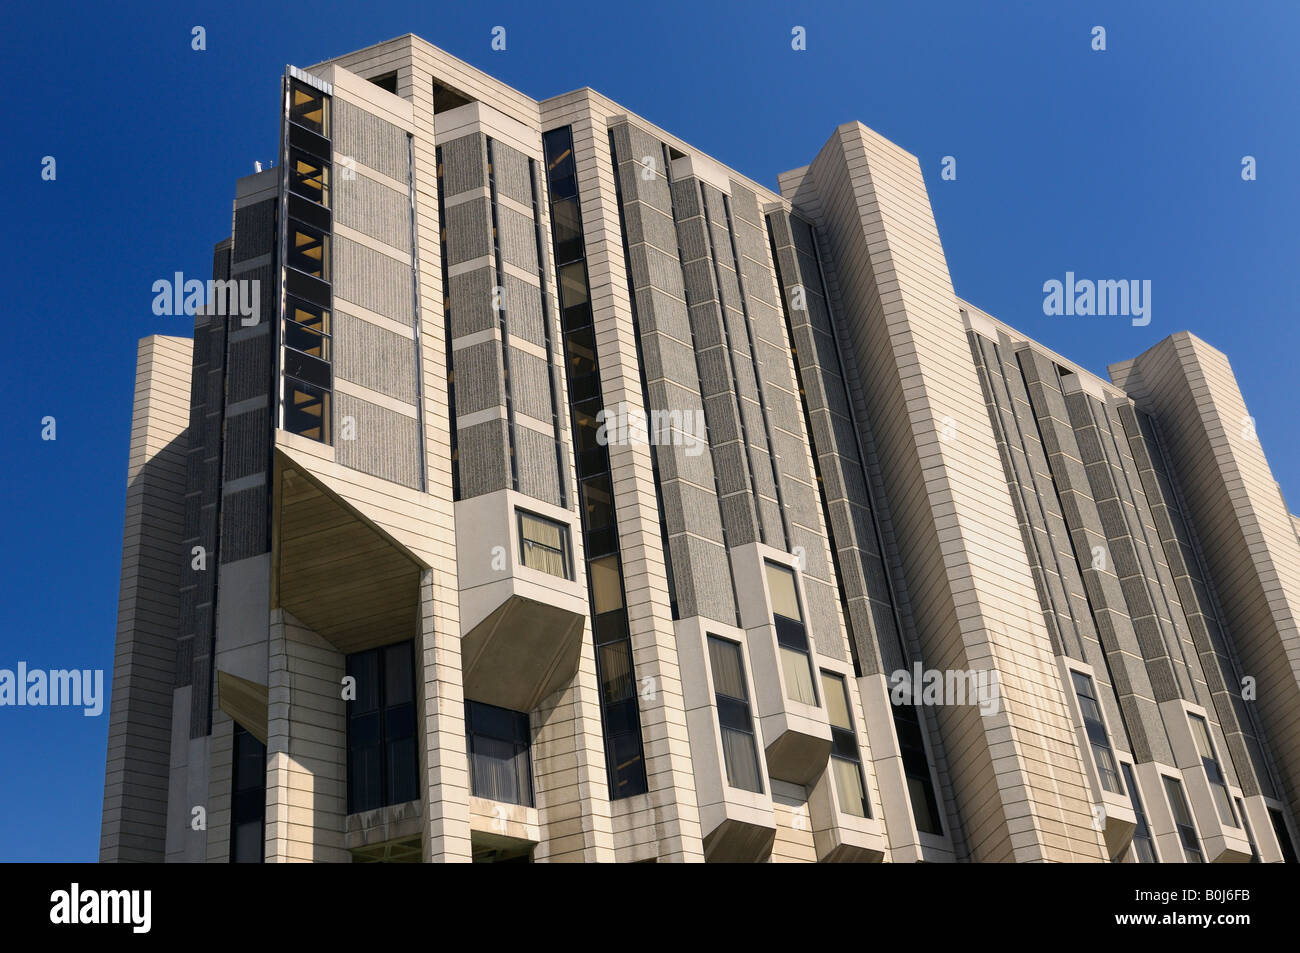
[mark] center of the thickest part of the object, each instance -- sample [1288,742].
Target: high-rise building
[537,487]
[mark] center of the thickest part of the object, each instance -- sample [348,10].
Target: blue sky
[1117,164]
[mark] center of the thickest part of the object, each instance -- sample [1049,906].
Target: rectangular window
[309,107]
[791,636]
[248,799]
[1144,845]
[1283,835]
[382,759]
[309,176]
[309,250]
[1210,761]
[1095,728]
[306,410]
[846,762]
[544,545]
[307,328]
[500,764]
[735,723]
[916,766]
[1183,820]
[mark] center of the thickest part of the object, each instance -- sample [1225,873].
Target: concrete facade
[577,498]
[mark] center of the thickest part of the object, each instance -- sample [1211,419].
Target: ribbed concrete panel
[480,378]
[386,444]
[373,209]
[374,357]
[950,501]
[243,529]
[510,170]
[1245,531]
[140,704]
[372,279]
[484,451]
[517,235]
[255,230]
[471,301]
[369,140]
[536,463]
[249,374]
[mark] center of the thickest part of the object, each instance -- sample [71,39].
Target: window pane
[616,671]
[785,598]
[309,250]
[309,107]
[544,545]
[309,176]
[606,584]
[837,701]
[306,410]
[728,672]
[741,760]
[798,676]
[848,785]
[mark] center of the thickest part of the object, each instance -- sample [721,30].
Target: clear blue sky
[1122,164]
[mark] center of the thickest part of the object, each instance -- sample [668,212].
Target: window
[1283,835]
[791,636]
[598,510]
[1183,820]
[1218,784]
[309,177]
[544,545]
[387,82]
[500,766]
[1250,834]
[309,107]
[916,767]
[306,410]
[382,759]
[846,762]
[1095,728]
[309,250]
[307,328]
[1144,845]
[248,799]
[735,723]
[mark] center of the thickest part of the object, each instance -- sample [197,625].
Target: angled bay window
[846,761]
[382,759]
[499,742]
[1183,820]
[1210,761]
[735,721]
[791,635]
[544,545]
[1095,728]
[247,799]
[1144,845]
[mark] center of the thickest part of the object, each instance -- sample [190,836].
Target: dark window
[309,250]
[1210,761]
[916,767]
[589,443]
[584,376]
[735,723]
[575,303]
[598,508]
[1144,845]
[1183,820]
[791,636]
[1095,728]
[307,328]
[309,176]
[566,223]
[387,82]
[1283,835]
[383,765]
[248,799]
[499,741]
[1250,834]
[846,761]
[309,107]
[306,410]
[544,545]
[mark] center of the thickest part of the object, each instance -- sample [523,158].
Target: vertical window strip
[446,320]
[620,709]
[1144,845]
[1183,820]
[503,324]
[758,377]
[415,306]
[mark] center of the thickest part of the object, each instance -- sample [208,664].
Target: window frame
[525,747]
[387,797]
[1188,835]
[791,634]
[1143,826]
[846,736]
[1213,768]
[743,706]
[566,543]
[1097,732]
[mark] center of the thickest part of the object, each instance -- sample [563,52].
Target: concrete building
[573,497]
